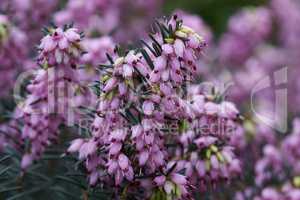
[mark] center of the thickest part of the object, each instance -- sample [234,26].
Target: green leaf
[10,189]
[5,158]
[183,126]
[65,192]
[101,66]
[147,58]
[172,168]
[163,30]
[71,181]
[3,171]
[140,75]
[109,58]
[159,195]
[152,51]
[155,41]
[157,49]
[45,31]
[96,89]
[38,175]
[29,192]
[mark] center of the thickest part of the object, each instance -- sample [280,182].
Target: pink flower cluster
[148,129]
[209,156]
[51,91]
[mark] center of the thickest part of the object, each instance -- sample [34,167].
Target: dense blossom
[51,91]
[131,133]
[205,144]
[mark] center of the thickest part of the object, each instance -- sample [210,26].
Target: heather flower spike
[139,98]
[47,105]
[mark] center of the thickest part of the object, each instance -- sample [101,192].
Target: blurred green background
[214,12]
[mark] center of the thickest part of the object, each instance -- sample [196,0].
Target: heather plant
[146,109]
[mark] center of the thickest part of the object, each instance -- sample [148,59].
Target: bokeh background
[215,13]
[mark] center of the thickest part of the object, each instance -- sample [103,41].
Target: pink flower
[60,46]
[47,44]
[26,161]
[136,131]
[214,162]
[72,35]
[198,104]
[87,148]
[160,180]
[75,145]
[111,83]
[179,48]
[200,167]
[160,63]
[115,148]
[167,49]
[179,179]
[93,178]
[127,70]
[148,107]
[143,157]
[211,108]
[112,166]
[123,162]
[118,135]
[228,110]
[155,76]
